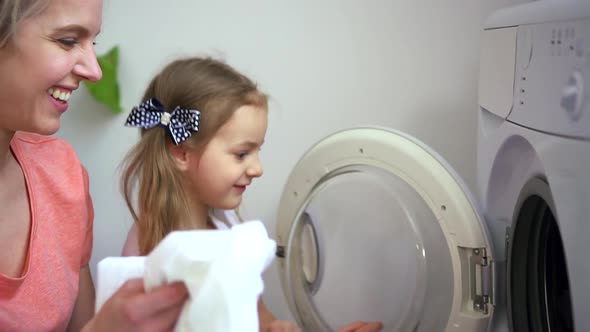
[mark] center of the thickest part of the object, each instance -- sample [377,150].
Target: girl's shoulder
[131,246]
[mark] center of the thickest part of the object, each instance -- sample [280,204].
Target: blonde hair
[12,12]
[216,90]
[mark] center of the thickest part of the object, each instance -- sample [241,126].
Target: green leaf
[106,90]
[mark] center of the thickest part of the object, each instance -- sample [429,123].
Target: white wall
[407,64]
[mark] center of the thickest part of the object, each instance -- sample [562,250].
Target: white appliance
[374,225]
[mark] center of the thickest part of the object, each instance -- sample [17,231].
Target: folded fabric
[112,274]
[222,270]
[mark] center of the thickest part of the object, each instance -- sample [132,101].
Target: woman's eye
[241,155]
[68,42]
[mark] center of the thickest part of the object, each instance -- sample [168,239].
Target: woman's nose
[87,67]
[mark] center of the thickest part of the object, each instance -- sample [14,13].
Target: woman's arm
[132,309]
[84,307]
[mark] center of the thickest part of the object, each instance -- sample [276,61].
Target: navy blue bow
[180,123]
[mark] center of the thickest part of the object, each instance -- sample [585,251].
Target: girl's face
[229,162]
[45,61]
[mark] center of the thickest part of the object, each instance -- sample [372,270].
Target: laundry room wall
[327,65]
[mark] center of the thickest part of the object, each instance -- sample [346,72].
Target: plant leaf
[106,90]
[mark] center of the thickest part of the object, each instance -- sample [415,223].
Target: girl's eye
[241,155]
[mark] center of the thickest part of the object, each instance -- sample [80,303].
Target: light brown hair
[12,12]
[215,89]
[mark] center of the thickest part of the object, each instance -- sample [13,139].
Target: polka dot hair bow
[151,113]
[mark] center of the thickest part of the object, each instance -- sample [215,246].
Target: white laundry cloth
[221,268]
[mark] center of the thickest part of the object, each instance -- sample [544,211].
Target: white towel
[221,268]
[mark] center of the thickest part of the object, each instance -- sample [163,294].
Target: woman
[46,50]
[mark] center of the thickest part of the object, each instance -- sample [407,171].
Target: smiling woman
[51,53]
[46,51]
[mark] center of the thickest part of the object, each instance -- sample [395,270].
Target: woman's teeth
[60,95]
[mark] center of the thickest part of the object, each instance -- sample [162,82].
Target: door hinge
[482,280]
[280,252]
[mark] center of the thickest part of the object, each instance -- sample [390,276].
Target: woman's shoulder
[53,163]
[39,145]
[36,139]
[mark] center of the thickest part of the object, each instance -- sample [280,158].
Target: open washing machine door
[373,225]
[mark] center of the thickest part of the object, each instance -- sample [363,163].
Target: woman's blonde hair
[205,84]
[12,12]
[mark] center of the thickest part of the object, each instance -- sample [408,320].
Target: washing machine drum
[375,226]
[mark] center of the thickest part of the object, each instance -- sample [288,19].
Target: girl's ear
[180,155]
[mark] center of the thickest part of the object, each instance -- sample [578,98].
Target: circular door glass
[366,246]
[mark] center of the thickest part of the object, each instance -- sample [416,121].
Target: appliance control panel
[552,78]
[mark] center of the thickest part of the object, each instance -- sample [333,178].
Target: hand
[362,327]
[132,309]
[281,326]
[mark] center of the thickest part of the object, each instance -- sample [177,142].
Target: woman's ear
[180,155]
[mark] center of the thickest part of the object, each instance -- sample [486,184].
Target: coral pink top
[60,242]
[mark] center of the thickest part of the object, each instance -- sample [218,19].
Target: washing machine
[374,225]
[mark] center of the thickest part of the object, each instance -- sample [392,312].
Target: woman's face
[45,61]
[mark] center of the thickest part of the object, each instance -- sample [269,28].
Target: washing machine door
[373,225]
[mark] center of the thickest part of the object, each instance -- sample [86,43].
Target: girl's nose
[255,169]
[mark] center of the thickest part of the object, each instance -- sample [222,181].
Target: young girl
[192,177]
[203,125]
